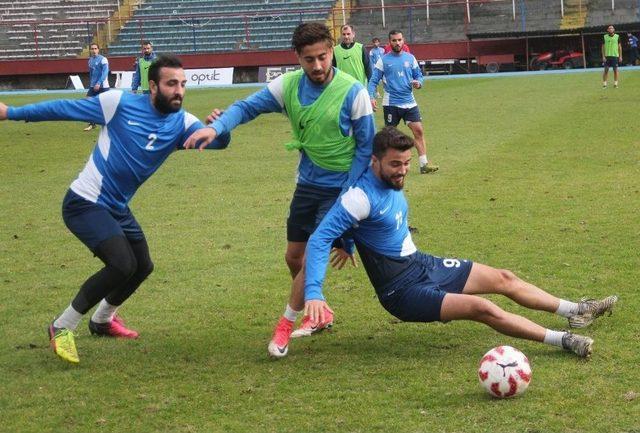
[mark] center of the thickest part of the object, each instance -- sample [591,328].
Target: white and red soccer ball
[504,372]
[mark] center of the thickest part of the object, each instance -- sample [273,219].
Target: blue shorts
[308,206]
[611,61]
[417,296]
[393,115]
[92,223]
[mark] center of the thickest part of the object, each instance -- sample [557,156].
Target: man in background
[374,55]
[351,56]
[98,75]
[141,74]
[401,74]
[611,55]
[633,48]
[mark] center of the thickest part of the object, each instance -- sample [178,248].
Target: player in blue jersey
[333,128]
[98,75]
[375,54]
[401,74]
[139,132]
[418,287]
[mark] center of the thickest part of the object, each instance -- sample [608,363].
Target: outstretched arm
[86,110]
[267,100]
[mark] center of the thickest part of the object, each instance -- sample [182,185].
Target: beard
[320,77]
[394,182]
[166,105]
[396,48]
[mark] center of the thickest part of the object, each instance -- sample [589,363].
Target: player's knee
[506,279]
[145,268]
[294,260]
[127,266]
[486,311]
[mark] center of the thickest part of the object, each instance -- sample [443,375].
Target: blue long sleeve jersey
[356,118]
[374,55]
[398,70]
[99,71]
[376,216]
[134,141]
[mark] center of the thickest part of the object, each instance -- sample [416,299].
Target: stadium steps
[184,26]
[575,14]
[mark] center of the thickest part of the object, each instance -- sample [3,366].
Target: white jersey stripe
[356,202]
[408,247]
[104,142]
[189,119]
[361,105]
[109,102]
[276,88]
[89,182]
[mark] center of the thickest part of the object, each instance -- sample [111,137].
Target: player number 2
[451,263]
[152,139]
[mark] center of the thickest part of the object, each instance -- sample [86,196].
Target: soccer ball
[504,372]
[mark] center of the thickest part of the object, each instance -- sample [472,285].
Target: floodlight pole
[344,14]
[384,21]
[513,4]
[428,17]
[613,5]
[562,8]
[468,13]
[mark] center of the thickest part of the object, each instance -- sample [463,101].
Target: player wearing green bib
[611,55]
[141,74]
[332,128]
[352,57]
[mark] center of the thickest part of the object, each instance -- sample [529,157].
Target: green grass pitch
[539,174]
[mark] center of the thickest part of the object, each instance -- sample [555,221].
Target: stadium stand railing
[62,28]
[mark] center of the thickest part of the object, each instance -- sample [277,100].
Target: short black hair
[93,43]
[147,43]
[311,33]
[390,137]
[163,61]
[394,32]
[375,40]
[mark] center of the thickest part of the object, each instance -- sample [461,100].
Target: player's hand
[3,111]
[201,138]
[215,115]
[316,309]
[374,104]
[96,87]
[416,84]
[339,258]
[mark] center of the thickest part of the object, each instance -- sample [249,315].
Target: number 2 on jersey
[152,139]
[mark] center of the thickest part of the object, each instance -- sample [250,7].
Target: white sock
[567,308]
[68,319]
[604,83]
[615,83]
[553,338]
[104,313]
[290,314]
[423,160]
